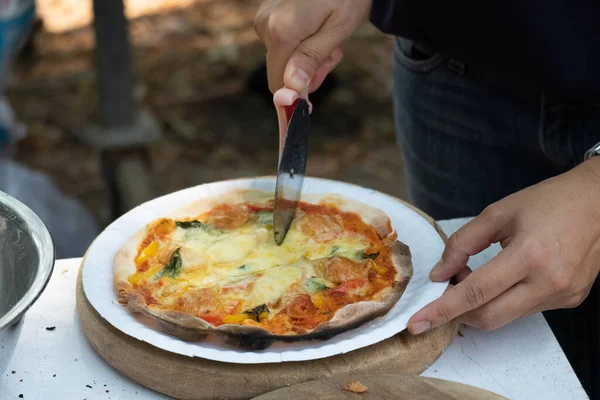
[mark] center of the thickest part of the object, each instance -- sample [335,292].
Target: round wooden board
[381,387]
[196,378]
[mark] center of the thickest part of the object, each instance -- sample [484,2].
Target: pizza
[213,267]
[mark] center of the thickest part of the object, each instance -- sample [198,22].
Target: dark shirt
[553,44]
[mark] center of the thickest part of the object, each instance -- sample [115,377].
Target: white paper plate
[425,244]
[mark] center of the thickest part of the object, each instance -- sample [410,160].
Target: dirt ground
[192,62]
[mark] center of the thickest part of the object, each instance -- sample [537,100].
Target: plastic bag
[16,20]
[11,129]
[71,225]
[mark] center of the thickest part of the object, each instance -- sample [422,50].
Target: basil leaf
[352,254]
[195,224]
[265,217]
[189,224]
[173,268]
[361,255]
[256,311]
[313,285]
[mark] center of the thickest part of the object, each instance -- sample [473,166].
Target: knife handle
[289,110]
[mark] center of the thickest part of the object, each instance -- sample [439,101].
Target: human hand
[303,38]
[550,257]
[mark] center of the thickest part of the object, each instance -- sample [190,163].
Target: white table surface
[520,361]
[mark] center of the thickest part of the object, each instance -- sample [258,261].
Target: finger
[334,59]
[481,286]
[330,64]
[283,29]
[477,235]
[534,310]
[261,20]
[276,61]
[512,304]
[462,275]
[551,303]
[311,54]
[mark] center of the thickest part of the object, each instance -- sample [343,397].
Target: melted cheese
[233,247]
[272,285]
[249,254]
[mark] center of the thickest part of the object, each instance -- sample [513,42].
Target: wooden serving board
[381,387]
[196,378]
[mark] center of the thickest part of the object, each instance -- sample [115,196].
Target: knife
[292,167]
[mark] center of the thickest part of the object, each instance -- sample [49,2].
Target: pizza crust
[192,328]
[235,196]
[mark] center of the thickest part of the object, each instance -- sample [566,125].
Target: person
[495,105]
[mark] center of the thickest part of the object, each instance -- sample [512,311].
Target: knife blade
[290,174]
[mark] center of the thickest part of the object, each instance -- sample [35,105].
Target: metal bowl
[26,262]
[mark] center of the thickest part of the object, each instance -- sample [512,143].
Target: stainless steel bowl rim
[45,247]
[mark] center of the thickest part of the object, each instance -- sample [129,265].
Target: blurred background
[115,112]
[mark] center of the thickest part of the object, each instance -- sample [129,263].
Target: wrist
[589,177]
[586,177]
[592,164]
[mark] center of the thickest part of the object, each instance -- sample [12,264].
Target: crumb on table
[355,386]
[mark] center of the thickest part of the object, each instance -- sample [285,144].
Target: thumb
[328,66]
[474,237]
[310,56]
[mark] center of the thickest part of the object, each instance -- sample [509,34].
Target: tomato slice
[228,216]
[232,307]
[301,307]
[256,208]
[212,319]
[350,285]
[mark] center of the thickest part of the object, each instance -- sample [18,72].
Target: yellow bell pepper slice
[163,226]
[148,252]
[380,270]
[235,319]
[140,276]
[317,299]
[263,315]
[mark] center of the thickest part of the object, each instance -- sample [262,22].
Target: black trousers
[469,140]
